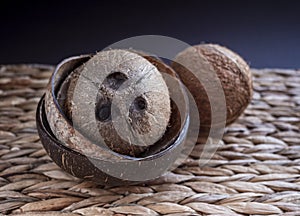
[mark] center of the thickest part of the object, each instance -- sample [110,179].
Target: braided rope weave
[256,171]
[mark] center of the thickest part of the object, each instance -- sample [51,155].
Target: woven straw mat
[256,170]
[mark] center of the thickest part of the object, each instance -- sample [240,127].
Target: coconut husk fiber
[256,170]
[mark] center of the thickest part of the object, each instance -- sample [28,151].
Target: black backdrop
[266,33]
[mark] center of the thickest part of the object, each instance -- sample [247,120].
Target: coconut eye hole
[140,104]
[103,112]
[115,80]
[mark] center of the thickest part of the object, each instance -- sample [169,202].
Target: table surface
[255,171]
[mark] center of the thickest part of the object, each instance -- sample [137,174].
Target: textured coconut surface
[256,171]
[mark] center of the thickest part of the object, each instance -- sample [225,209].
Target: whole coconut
[232,71]
[142,102]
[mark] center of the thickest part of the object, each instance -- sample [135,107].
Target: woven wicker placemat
[255,171]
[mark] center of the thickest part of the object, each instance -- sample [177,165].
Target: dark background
[266,33]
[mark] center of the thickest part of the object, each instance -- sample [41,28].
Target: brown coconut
[147,116]
[232,71]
